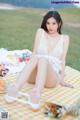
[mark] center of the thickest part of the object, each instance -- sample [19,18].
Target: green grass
[18,28]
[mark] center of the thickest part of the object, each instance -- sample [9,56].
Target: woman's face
[51,25]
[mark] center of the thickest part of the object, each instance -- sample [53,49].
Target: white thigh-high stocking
[40,80]
[23,77]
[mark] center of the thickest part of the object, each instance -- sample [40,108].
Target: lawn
[18,28]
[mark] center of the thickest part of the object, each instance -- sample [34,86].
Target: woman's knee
[34,59]
[43,61]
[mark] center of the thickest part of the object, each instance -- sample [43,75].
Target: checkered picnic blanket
[60,95]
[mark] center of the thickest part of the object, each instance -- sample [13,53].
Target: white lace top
[57,52]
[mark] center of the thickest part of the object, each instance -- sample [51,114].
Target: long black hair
[56,16]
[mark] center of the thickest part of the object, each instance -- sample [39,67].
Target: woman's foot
[34,100]
[34,106]
[9,99]
[11,94]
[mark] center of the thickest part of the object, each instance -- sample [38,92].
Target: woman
[50,50]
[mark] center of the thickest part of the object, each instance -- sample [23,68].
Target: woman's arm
[66,46]
[63,59]
[36,41]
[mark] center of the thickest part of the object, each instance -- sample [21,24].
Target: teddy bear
[3,70]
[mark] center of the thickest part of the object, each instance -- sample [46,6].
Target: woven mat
[60,95]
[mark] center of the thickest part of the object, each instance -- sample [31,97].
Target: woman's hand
[62,83]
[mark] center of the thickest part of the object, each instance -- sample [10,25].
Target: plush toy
[3,70]
[53,110]
[24,57]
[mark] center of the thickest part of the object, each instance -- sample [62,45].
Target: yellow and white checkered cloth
[60,95]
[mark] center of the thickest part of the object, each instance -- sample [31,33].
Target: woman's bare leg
[40,80]
[51,81]
[23,77]
[54,78]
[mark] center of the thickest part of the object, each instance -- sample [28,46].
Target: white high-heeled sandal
[9,99]
[34,106]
